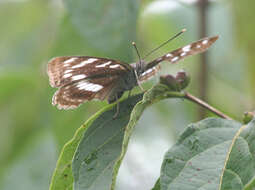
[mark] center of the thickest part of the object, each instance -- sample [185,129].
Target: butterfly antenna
[133,43]
[175,36]
[138,66]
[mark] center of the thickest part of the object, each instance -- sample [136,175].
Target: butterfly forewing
[72,95]
[68,69]
[148,74]
[181,53]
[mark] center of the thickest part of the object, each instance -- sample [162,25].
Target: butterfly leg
[138,82]
[118,108]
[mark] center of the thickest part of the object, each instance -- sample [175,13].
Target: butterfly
[83,78]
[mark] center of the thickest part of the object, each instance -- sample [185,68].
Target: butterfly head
[140,67]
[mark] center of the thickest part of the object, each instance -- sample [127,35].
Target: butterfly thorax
[125,83]
[128,81]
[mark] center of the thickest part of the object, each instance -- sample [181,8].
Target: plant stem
[196,100]
[161,91]
[203,73]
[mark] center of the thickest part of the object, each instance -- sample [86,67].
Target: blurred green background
[33,132]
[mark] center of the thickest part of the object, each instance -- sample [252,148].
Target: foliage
[33,132]
[97,154]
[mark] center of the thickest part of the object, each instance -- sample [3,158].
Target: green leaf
[109,26]
[211,154]
[101,150]
[241,162]
[62,177]
[157,185]
[101,143]
[100,147]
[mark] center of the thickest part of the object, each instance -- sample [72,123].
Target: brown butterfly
[83,78]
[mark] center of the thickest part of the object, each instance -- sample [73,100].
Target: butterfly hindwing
[183,52]
[72,95]
[68,69]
